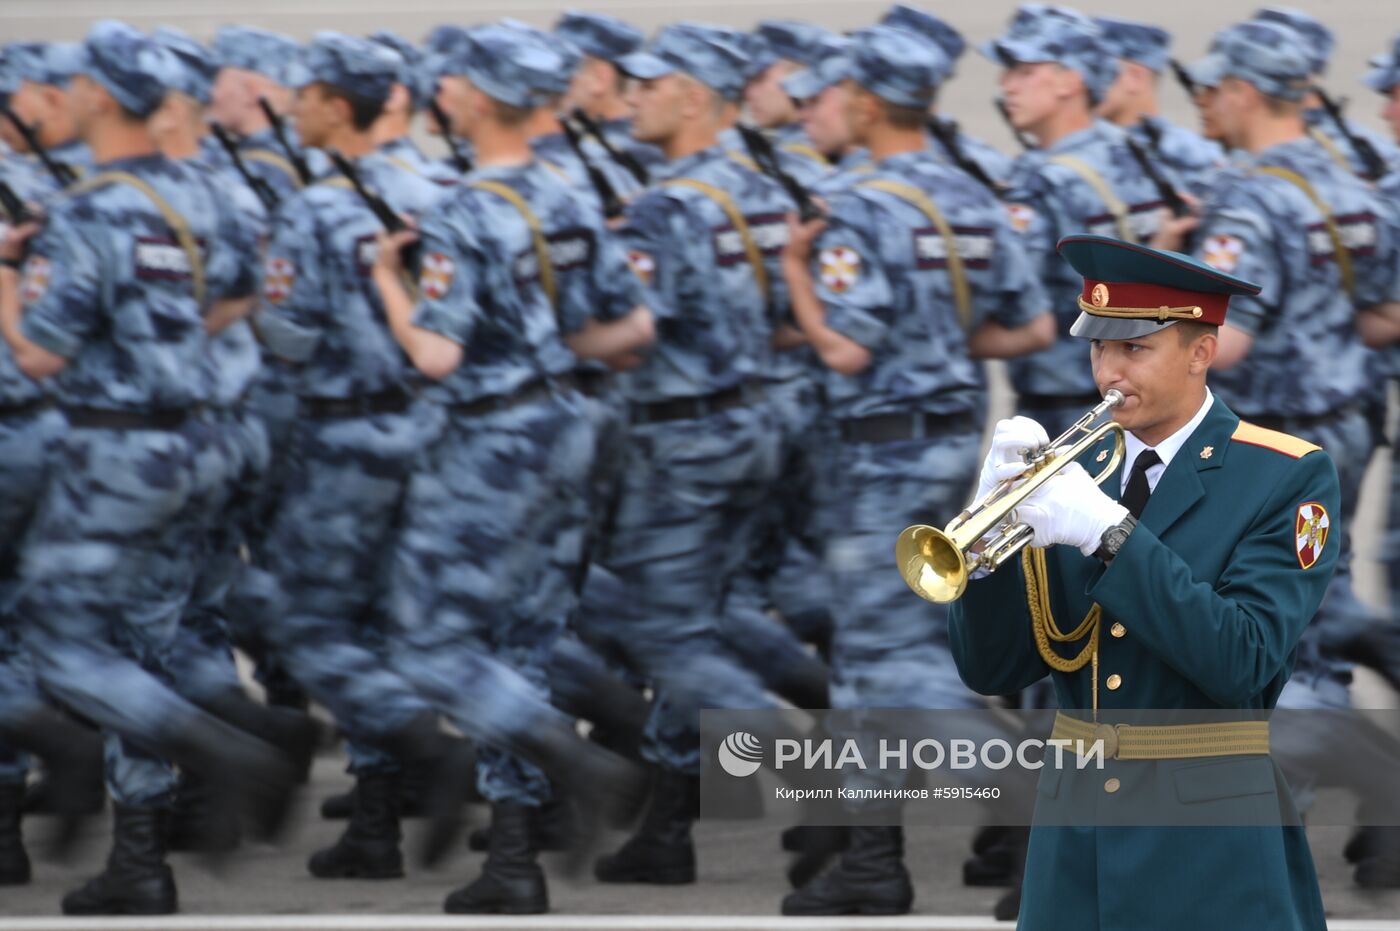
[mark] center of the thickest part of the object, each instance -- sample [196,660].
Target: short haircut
[508,114]
[1188,330]
[363,110]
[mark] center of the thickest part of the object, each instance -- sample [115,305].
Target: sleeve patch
[1021,217]
[1222,253]
[35,280]
[642,265]
[279,276]
[840,268]
[1311,533]
[435,277]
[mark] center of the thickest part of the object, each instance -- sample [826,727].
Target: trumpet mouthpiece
[1113,397]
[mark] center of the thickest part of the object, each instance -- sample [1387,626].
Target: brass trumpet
[936,563]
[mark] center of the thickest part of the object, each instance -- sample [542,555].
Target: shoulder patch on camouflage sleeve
[1273,439]
[35,279]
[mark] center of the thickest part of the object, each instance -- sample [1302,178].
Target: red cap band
[1120,295]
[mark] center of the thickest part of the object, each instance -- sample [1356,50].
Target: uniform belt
[21,410]
[393,401]
[1089,399]
[593,382]
[98,419]
[1289,424]
[887,428]
[695,408]
[529,393]
[1166,741]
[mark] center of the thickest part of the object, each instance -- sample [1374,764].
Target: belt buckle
[1110,736]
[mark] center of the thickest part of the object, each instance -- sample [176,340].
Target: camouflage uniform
[111,556]
[353,448]
[1050,196]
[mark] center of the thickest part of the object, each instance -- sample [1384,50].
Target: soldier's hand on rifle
[390,256]
[1173,231]
[801,236]
[12,244]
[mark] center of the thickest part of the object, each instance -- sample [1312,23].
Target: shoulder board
[1272,439]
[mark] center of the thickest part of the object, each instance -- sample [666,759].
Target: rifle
[1183,77]
[761,151]
[14,208]
[459,158]
[279,130]
[1026,144]
[62,173]
[259,186]
[382,211]
[947,136]
[1373,165]
[624,158]
[1170,196]
[612,204]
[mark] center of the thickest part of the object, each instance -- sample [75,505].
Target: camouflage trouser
[202,657]
[108,567]
[331,547]
[689,491]
[784,571]
[890,647]
[23,442]
[486,567]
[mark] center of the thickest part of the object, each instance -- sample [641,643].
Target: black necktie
[1136,494]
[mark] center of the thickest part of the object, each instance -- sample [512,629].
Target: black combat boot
[998,853]
[137,880]
[415,779]
[552,827]
[369,848]
[511,882]
[199,821]
[661,851]
[14,862]
[816,846]
[869,880]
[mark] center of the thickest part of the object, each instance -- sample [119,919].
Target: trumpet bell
[933,564]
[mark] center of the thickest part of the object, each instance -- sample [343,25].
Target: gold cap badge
[1099,296]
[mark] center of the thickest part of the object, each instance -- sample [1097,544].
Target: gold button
[1114,681]
[1112,785]
[1118,630]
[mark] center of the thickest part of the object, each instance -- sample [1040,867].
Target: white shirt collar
[1167,449]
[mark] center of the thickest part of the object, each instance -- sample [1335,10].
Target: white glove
[1071,510]
[1006,459]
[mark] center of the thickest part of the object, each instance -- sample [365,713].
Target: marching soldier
[784,47]
[1196,566]
[1080,177]
[411,94]
[45,71]
[116,297]
[1131,102]
[915,275]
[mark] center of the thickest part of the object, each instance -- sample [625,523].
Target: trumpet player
[898,313]
[1196,566]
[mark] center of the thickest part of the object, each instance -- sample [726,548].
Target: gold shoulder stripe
[1273,439]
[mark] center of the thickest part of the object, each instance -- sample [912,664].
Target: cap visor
[1089,326]
[1015,52]
[643,66]
[1208,71]
[804,84]
[1381,79]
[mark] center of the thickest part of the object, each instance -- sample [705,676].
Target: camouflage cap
[195,65]
[1042,33]
[895,66]
[1133,41]
[357,66]
[1385,70]
[45,62]
[506,64]
[1271,57]
[759,53]
[709,54]
[793,39]
[1317,38]
[268,53]
[599,35]
[413,72]
[9,80]
[571,55]
[132,67]
[833,67]
[913,19]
